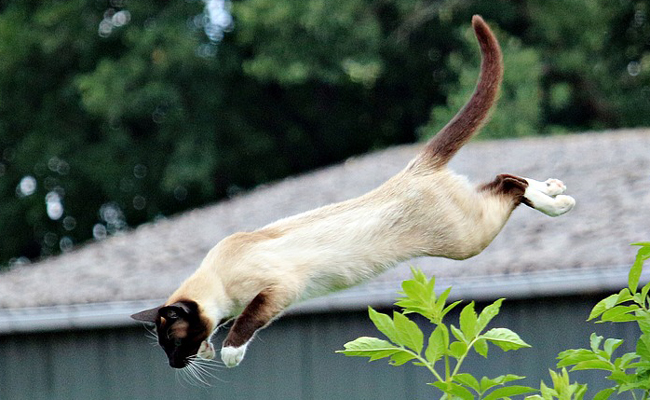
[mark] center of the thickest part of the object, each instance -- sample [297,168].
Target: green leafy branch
[406,341]
[561,389]
[448,345]
[630,371]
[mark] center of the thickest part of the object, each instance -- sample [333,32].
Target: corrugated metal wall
[293,359]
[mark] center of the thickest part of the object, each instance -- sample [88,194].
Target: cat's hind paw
[554,187]
[232,356]
[547,197]
[553,206]
[561,205]
[550,187]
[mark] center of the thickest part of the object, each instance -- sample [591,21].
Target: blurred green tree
[116,112]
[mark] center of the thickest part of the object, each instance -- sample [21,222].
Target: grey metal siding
[292,359]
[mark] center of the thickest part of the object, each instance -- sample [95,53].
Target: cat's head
[181,329]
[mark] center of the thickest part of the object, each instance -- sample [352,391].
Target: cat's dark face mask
[181,331]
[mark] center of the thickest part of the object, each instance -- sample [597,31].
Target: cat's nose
[174,363]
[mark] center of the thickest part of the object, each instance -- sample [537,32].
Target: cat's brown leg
[259,312]
[546,196]
[509,186]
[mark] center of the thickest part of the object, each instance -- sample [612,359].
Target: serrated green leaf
[408,332]
[642,384]
[620,314]
[624,295]
[414,300]
[457,349]
[419,276]
[594,342]
[385,324]
[412,307]
[604,394]
[574,356]
[419,295]
[469,322]
[644,252]
[621,377]
[578,391]
[504,338]
[449,308]
[487,383]
[458,334]
[623,361]
[546,391]
[488,314]
[508,391]
[643,319]
[638,299]
[454,389]
[602,306]
[369,347]
[440,304]
[401,358]
[635,272]
[644,293]
[468,380]
[481,347]
[437,346]
[611,345]
[642,367]
[415,291]
[560,381]
[643,346]
[509,378]
[593,364]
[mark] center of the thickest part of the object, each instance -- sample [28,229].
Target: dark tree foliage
[114,113]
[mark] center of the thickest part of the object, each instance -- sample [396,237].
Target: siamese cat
[424,210]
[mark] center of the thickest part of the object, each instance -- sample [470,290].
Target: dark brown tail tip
[478,24]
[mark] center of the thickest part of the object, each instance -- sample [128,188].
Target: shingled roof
[585,250]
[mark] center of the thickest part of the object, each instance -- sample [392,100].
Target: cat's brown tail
[442,147]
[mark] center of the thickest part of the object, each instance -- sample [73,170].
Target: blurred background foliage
[114,113]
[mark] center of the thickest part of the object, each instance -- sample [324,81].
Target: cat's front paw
[206,350]
[232,356]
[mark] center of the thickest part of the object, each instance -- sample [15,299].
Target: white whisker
[200,371]
[180,374]
[151,334]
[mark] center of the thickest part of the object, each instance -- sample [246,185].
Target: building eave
[594,282]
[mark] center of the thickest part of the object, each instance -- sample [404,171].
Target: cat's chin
[206,351]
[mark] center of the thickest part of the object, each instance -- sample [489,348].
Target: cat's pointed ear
[149,315]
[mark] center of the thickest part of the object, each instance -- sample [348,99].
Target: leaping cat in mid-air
[424,210]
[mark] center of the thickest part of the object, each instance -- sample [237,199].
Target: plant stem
[462,358]
[426,364]
[446,366]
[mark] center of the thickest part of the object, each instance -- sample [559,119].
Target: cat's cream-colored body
[424,210]
[416,213]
